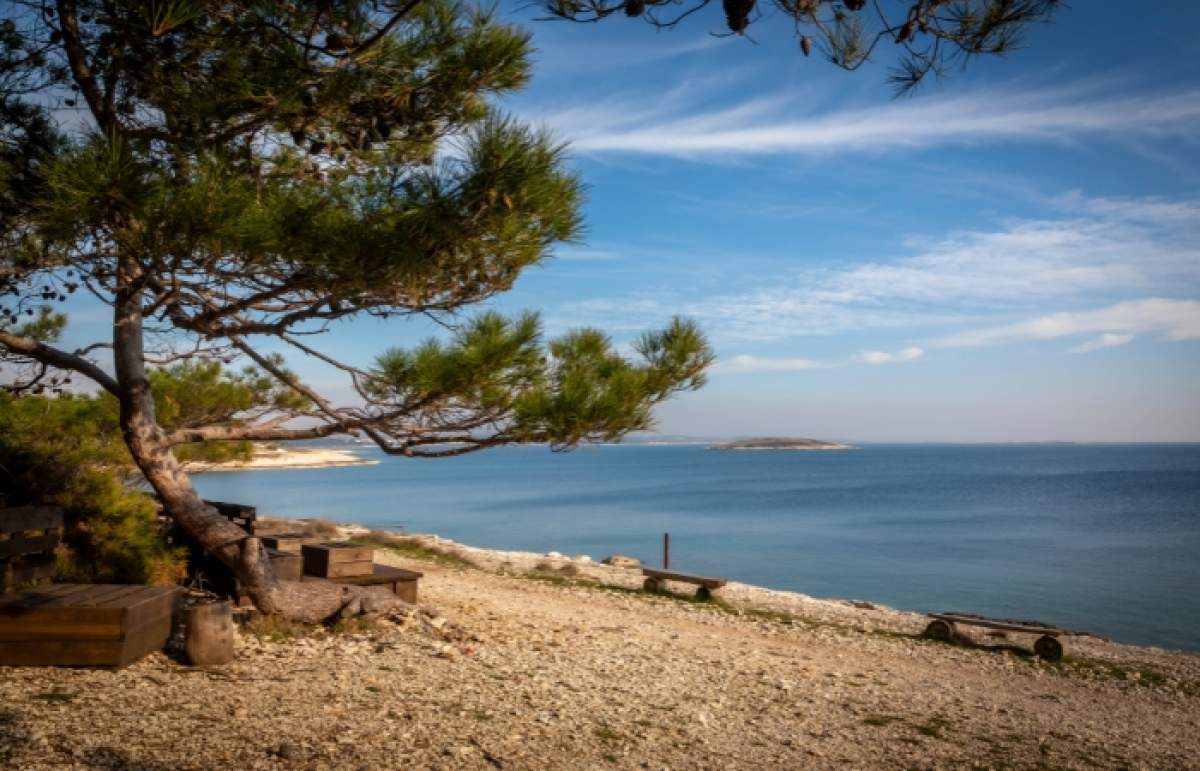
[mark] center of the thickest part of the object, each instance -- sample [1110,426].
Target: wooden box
[403,583]
[337,560]
[287,567]
[105,625]
[288,542]
[28,537]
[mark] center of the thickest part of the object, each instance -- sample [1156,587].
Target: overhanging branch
[54,357]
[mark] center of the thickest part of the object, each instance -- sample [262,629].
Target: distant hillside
[780,443]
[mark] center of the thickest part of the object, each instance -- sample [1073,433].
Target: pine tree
[230,177]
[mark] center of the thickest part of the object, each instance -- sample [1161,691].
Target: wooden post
[666,551]
[208,636]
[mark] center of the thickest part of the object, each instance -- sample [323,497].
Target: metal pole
[666,551]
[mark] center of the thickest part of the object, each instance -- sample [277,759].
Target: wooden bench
[655,580]
[103,625]
[403,582]
[28,538]
[1047,645]
[238,513]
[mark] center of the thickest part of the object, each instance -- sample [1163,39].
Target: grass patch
[358,625]
[275,628]
[1138,676]
[55,696]
[881,720]
[932,728]
[605,733]
[406,546]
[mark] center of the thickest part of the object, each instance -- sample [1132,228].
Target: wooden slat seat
[403,582]
[995,623]
[28,537]
[110,625]
[943,627]
[708,582]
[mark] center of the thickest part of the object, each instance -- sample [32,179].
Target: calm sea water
[1102,538]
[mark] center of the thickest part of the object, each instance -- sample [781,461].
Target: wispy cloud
[1123,250]
[746,363]
[891,357]
[679,126]
[1106,340]
[1175,319]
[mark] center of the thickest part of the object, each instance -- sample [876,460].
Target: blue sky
[1011,254]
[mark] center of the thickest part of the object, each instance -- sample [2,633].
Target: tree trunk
[311,602]
[148,445]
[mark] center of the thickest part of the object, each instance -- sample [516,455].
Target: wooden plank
[290,543]
[57,653]
[25,572]
[996,624]
[84,611]
[21,518]
[148,637]
[349,569]
[380,574]
[708,582]
[403,583]
[23,544]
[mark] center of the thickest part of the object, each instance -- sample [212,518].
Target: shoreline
[534,661]
[749,597]
[268,458]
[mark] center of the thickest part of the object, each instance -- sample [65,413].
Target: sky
[1010,254]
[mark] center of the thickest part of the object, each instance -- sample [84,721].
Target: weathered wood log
[208,636]
[1048,648]
[942,630]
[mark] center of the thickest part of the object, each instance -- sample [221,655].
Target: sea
[1102,538]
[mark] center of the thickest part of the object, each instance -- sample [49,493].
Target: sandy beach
[269,457]
[550,662]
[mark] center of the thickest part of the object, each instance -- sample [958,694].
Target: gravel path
[565,674]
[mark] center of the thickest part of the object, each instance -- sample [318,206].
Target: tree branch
[54,357]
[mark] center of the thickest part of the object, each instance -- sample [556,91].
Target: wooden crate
[337,560]
[287,567]
[28,537]
[403,583]
[105,625]
[288,542]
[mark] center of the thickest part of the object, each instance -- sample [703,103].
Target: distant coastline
[781,443]
[269,457]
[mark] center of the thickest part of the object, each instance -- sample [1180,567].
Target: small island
[780,443]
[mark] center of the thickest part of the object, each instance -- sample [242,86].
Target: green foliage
[68,452]
[578,389]
[250,170]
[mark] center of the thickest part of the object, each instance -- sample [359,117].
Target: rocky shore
[547,662]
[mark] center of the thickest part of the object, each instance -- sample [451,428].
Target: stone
[622,561]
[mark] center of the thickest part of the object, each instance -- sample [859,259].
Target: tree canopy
[233,178]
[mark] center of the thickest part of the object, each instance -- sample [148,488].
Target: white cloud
[891,357]
[1176,319]
[675,126]
[1106,340]
[745,363]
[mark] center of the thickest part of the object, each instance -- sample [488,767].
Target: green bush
[67,451]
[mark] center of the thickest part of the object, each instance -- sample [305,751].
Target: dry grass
[413,548]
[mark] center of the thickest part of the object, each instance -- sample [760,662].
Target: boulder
[621,561]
